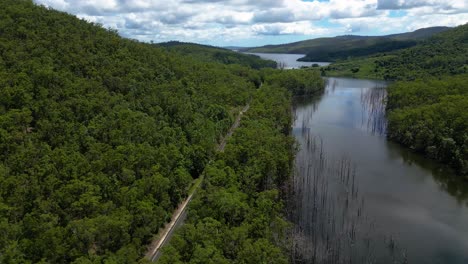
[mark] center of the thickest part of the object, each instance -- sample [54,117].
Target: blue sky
[260,22]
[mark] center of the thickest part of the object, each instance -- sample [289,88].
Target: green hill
[215,54]
[342,47]
[101,138]
[445,53]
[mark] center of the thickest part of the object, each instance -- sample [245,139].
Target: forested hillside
[343,47]
[443,54]
[100,137]
[358,49]
[237,217]
[215,54]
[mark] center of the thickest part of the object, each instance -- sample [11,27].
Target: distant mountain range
[445,53]
[235,48]
[343,47]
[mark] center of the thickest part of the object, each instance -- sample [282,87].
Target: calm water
[289,60]
[361,199]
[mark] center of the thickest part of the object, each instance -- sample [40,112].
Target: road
[236,124]
[180,214]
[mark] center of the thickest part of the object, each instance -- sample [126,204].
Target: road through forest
[178,217]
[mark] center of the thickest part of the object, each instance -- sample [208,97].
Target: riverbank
[371,198]
[430,117]
[441,98]
[362,68]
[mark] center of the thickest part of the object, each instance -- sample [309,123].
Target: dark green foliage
[335,54]
[443,54]
[215,54]
[299,82]
[100,137]
[432,117]
[236,217]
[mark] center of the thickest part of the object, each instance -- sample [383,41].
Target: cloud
[433,5]
[58,4]
[402,4]
[274,16]
[296,28]
[219,21]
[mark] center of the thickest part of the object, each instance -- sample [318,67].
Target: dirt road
[180,214]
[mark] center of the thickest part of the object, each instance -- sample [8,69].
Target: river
[359,198]
[288,61]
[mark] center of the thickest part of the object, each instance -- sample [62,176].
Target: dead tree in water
[281,65]
[329,216]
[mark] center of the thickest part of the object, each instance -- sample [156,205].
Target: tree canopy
[101,137]
[215,54]
[237,216]
[431,117]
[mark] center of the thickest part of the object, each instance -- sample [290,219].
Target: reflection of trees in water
[456,186]
[444,176]
[332,83]
[330,222]
[306,102]
[373,103]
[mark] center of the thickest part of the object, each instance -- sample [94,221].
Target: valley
[119,144]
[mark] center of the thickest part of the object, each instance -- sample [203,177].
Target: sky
[250,23]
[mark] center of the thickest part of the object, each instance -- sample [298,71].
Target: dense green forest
[431,116]
[343,47]
[101,137]
[427,108]
[298,82]
[215,54]
[237,216]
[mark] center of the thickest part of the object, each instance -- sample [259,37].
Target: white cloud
[58,4]
[294,28]
[436,20]
[210,20]
[435,5]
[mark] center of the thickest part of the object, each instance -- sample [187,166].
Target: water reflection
[361,199]
[288,61]
[455,186]
[331,221]
[373,103]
